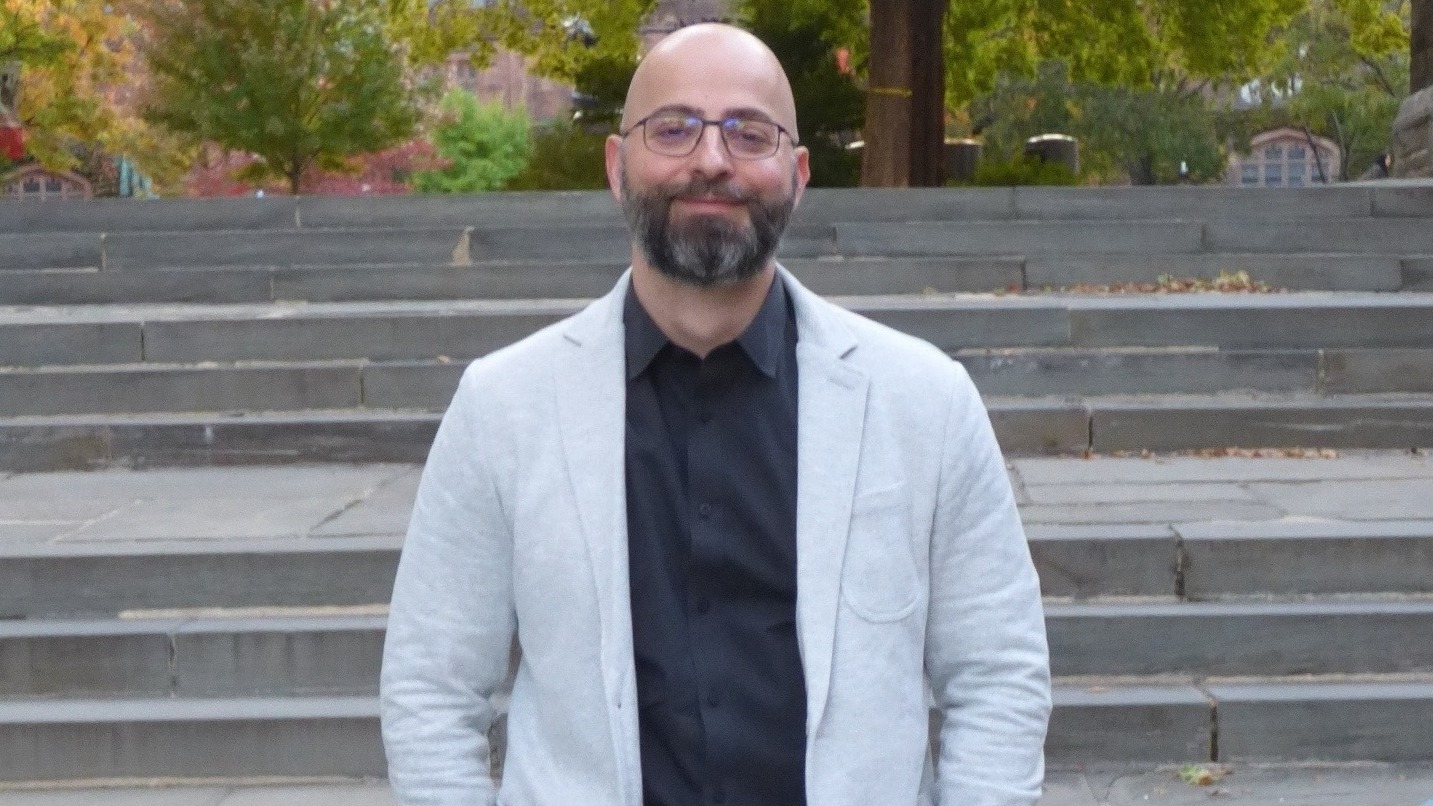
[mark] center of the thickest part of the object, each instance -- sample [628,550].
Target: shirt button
[705,510]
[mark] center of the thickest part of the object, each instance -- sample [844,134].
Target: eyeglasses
[673,134]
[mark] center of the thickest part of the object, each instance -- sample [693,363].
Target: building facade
[1286,157]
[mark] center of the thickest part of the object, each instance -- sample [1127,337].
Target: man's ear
[802,173]
[612,151]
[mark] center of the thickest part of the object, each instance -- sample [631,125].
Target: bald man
[744,538]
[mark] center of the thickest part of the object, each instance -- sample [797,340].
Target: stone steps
[589,278]
[460,329]
[609,243]
[157,737]
[1234,565]
[153,387]
[1325,719]
[333,652]
[818,206]
[1024,426]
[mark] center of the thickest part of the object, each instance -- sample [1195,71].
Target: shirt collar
[762,340]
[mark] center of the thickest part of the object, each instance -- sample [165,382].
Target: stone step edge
[344,618]
[132,313]
[1272,401]
[1063,351]
[1068,692]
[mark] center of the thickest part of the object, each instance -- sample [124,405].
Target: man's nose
[711,157]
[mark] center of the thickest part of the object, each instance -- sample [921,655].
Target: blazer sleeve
[451,621]
[986,649]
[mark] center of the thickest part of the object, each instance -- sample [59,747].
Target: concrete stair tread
[140,312]
[184,709]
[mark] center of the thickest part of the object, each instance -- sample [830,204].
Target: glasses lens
[672,135]
[750,139]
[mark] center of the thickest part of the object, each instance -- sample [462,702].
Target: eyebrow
[744,113]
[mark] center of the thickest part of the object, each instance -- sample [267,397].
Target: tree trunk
[886,158]
[1421,50]
[928,95]
[905,102]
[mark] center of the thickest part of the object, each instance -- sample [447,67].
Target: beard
[705,250]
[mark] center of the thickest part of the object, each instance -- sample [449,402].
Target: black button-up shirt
[711,514]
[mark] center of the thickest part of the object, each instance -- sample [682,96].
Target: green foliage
[1132,43]
[564,158]
[1342,74]
[482,146]
[299,83]
[555,33]
[1139,134]
[829,104]
[604,80]
[1022,170]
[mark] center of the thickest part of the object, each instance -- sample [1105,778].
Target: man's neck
[699,319]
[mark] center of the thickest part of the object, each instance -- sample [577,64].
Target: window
[1249,173]
[1296,174]
[52,185]
[1273,174]
[1274,153]
[1298,153]
[32,185]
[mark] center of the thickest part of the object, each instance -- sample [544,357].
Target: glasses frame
[720,124]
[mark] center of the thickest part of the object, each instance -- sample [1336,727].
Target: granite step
[461,329]
[589,278]
[1332,718]
[1095,720]
[818,205]
[330,651]
[343,552]
[159,737]
[272,386]
[338,650]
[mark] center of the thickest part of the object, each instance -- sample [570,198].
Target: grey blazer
[914,581]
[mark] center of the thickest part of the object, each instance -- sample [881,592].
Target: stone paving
[219,503]
[1274,785]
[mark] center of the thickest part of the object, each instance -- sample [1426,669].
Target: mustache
[722,190]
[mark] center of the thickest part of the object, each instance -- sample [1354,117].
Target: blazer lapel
[591,391]
[831,412]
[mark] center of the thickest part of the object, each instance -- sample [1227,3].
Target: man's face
[707,218]
[727,237]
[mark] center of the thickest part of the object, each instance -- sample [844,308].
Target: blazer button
[705,510]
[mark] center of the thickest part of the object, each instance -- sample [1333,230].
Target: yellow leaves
[81,94]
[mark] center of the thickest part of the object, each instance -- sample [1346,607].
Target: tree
[299,83]
[829,103]
[77,63]
[1142,134]
[483,145]
[562,36]
[1340,74]
[1421,45]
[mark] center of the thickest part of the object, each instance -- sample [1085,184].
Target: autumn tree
[298,83]
[78,63]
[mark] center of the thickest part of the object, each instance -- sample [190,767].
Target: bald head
[719,69]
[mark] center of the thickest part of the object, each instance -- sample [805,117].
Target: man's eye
[670,128]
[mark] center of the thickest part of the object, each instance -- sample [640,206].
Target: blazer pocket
[879,581]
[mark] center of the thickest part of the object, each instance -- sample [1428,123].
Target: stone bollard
[1413,136]
[1060,148]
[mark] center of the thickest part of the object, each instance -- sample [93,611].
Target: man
[741,535]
